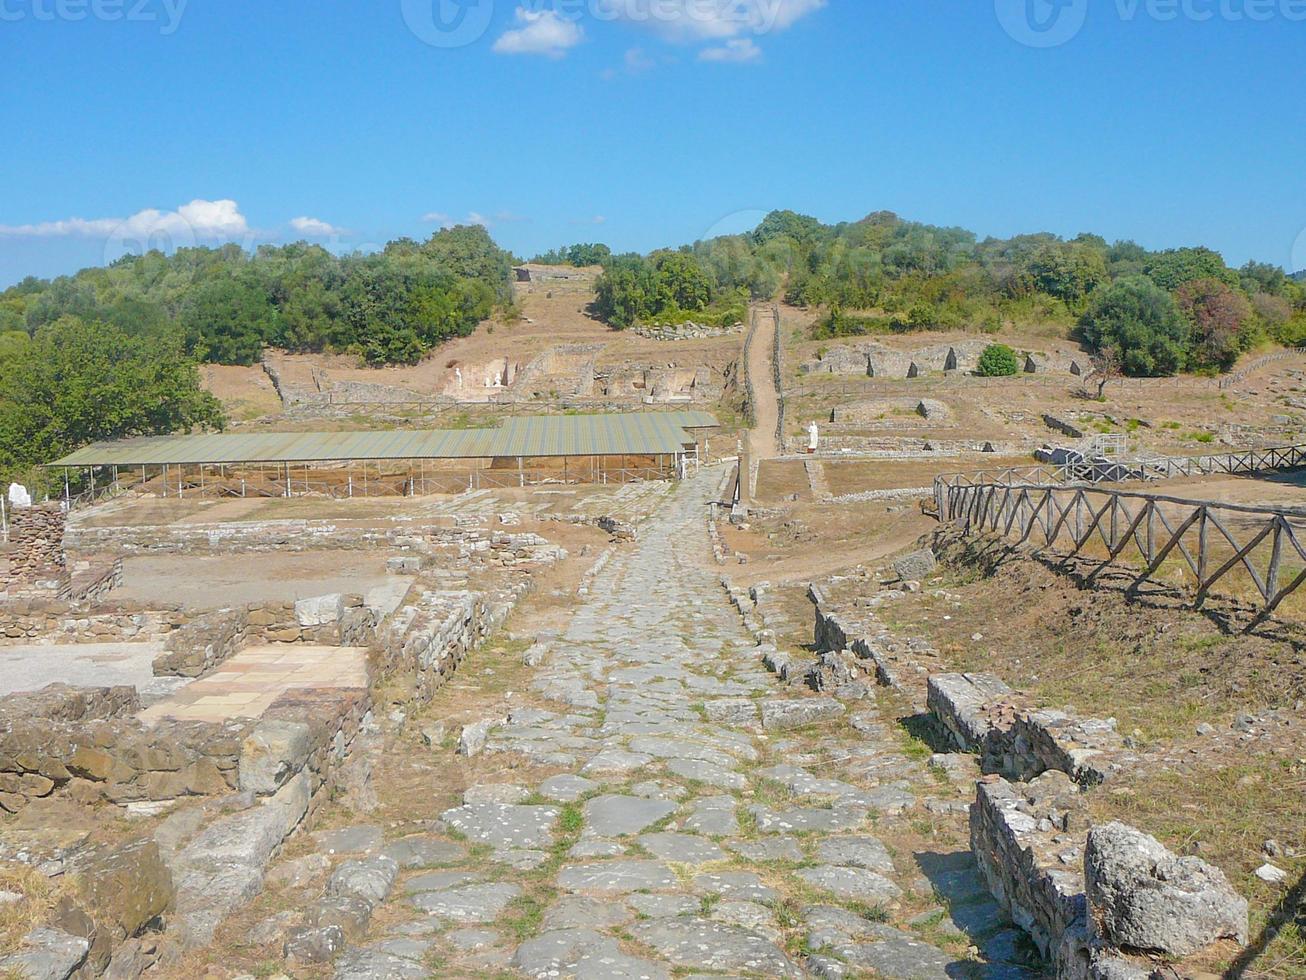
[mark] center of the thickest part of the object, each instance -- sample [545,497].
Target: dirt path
[667,808]
[761,440]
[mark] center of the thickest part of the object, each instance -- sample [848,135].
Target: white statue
[458,377]
[813,437]
[18,496]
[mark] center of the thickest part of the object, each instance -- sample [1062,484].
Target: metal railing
[1211,542]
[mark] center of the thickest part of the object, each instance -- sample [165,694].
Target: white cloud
[637,61]
[199,219]
[597,219]
[543,32]
[473,218]
[691,21]
[315,227]
[736,51]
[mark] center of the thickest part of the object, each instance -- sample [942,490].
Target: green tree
[998,361]
[1068,270]
[1175,267]
[1140,321]
[76,383]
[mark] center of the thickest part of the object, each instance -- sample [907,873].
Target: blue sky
[645,131]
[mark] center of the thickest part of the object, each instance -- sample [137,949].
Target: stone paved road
[679,838]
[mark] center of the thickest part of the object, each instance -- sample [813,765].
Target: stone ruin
[37,563]
[1093,899]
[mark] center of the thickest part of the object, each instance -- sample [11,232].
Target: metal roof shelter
[635,434]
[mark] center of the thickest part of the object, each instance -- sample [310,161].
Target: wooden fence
[1208,543]
[1119,470]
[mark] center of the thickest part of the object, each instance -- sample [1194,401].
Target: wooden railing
[1112,470]
[1209,543]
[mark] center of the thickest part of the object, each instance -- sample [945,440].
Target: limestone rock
[1144,897]
[323,610]
[272,754]
[784,715]
[917,566]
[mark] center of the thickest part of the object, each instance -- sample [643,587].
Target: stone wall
[1028,841]
[59,621]
[37,565]
[685,331]
[85,742]
[199,646]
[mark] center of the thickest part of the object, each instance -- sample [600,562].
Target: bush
[1141,322]
[998,361]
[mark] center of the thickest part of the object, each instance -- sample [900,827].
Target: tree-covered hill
[1161,312]
[227,304]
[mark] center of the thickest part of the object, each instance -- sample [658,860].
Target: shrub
[998,361]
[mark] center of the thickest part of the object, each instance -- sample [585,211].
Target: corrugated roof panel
[647,433]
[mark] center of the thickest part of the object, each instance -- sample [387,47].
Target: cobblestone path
[679,837]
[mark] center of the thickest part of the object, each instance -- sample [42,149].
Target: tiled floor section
[247,684]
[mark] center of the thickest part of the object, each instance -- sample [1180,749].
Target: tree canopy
[388,307]
[884,273]
[75,382]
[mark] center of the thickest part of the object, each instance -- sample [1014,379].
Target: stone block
[1143,897]
[323,610]
[784,715]
[272,754]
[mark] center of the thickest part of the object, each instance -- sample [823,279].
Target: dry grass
[39,896]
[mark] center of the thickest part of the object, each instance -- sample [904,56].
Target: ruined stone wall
[481,546]
[84,742]
[61,621]
[37,565]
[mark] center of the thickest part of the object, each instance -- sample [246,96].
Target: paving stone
[705,772]
[471,904]
[374,964]
[654,790]
[854,884]
[495,793]
[616,762]
[713,816]
[807,819]
[662,747]
[855,852]
[581,953]
[370,879]
[906,958]
[619,877]
[702,943]
[596,847]
[665,906]
[349,840]
[473,939]
[767,850]
[752,916]
[579,912]
[742,886]
[681,848]
[567,788]
[424,852]
[521,859]
[503,826]
[621,816]
[436,881]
